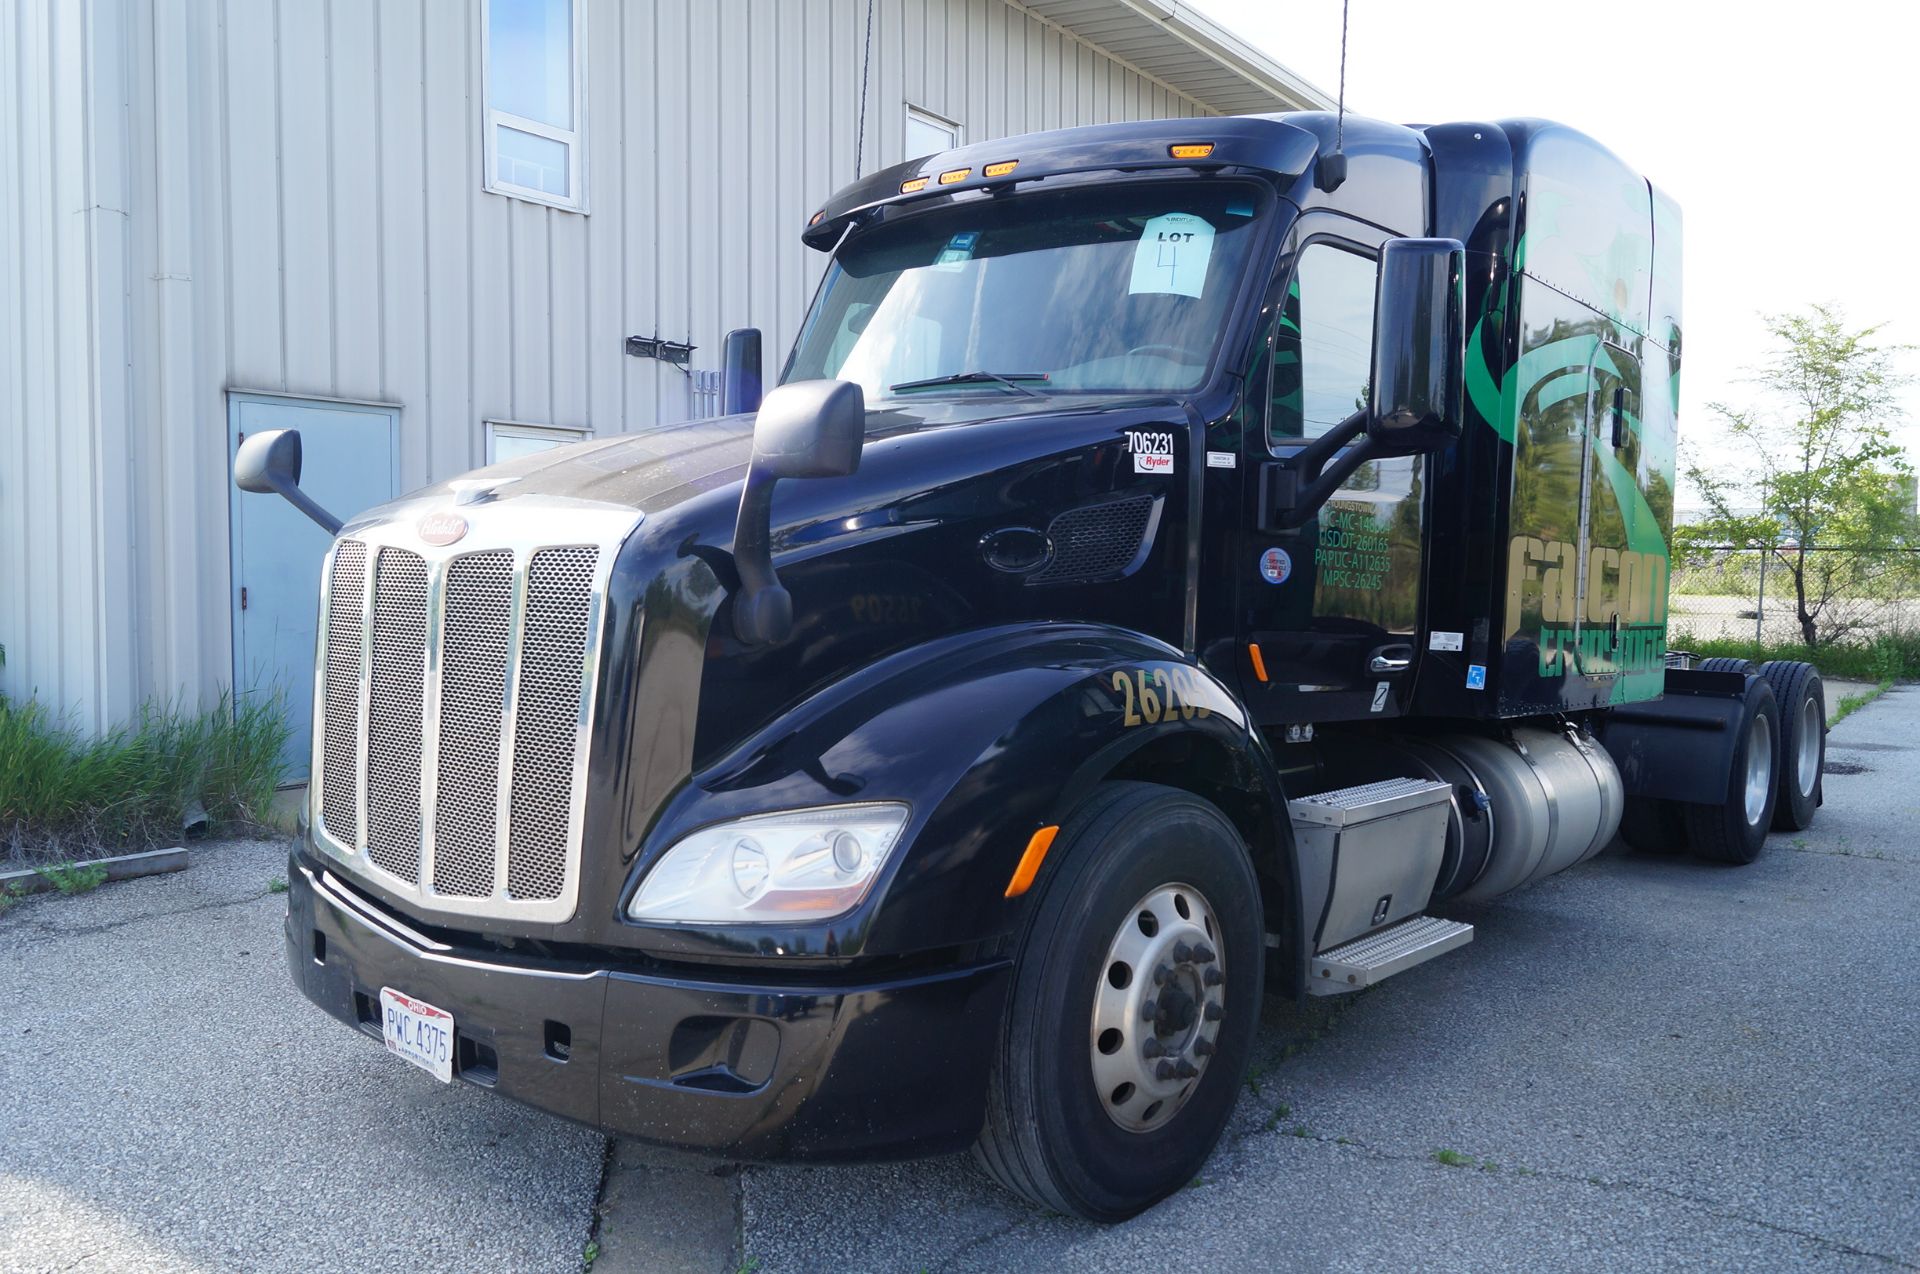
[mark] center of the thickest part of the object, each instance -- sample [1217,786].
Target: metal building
[426,232]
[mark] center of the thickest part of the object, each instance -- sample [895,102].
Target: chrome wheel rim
[1809,727]
[1759,768]
[1157,1007]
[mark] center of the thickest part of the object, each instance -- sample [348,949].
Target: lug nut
[1161,973]
[1203,1048]
[1151,1048]
[1165,1070]
[1203,954]
[1149,1010]
[1214,1013]
[1182,953]
[1213,976]
[1185,1070]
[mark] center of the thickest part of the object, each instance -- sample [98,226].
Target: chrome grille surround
[469,755]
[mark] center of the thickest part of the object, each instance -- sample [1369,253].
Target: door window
[1323,348]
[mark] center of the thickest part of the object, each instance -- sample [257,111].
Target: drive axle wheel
[1802,700]
[1136,991]
[1732,828]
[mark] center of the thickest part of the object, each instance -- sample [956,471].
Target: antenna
[866,58]
[1332,169]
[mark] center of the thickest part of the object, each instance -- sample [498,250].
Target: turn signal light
[1000,169]
[1190,150]
[816,217]
[952,175]
[912,184]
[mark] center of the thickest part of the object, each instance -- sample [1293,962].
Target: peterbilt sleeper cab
[1179,562]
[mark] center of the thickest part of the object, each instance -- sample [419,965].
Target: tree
[1829,494]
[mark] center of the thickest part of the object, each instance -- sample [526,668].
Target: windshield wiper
[1009,379]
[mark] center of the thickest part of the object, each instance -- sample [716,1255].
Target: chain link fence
[1849,596]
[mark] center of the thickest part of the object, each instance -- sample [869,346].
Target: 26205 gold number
[1149,696]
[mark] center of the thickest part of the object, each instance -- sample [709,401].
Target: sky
[1781,129]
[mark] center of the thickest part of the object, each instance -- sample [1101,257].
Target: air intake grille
[340,746]
[473,698]
[463,791]
[1099,541]
[558,596]
[395,709]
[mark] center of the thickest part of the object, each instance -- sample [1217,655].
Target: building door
[348,464]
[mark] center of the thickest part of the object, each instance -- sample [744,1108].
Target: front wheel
[1136,993]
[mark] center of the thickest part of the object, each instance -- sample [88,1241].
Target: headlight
[811,864]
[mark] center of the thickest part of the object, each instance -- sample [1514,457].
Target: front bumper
[738,1070]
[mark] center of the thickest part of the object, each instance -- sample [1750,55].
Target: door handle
[1390,659]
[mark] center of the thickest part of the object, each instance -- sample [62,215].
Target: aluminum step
[1378,956]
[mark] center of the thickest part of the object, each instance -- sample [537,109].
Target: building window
[534,65]
[509,440]
[928,134]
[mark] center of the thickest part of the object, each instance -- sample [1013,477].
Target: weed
[130,786]
[276,886]
[1850,704]
[1279,1112]
[1300,1130]
[72,878]
[1196,1183]
[7,898]
[1885,658]
[1488,1165]
[749,1266]
[1453,1158]
[589,1254]
[1342,1141]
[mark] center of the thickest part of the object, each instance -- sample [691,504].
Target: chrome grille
[396,707]
[473,700]
[547,719]
[340,704]
[478,668]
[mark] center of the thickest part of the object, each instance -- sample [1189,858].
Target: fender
[1679,746]
[988,736]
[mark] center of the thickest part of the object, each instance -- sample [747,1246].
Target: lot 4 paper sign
[1171,257]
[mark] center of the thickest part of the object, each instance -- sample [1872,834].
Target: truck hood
[659,468]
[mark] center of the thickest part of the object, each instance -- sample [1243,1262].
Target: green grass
[7,898]
[1453,1159]
[1849,704]
[63,791]
[1883,659]
[72,878]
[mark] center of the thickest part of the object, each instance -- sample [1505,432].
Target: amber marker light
[1259,664]
[815,220]
[1000,169]
[1190,150]
[912,184]
[952,175]
[1030,861]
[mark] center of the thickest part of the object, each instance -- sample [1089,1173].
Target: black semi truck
[1181,561]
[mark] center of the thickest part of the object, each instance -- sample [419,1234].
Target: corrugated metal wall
[296,202]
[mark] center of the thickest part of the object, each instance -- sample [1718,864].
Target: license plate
[417,1032]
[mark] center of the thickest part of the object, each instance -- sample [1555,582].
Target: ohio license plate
[417,1032]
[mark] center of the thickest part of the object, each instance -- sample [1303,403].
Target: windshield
[1100,289]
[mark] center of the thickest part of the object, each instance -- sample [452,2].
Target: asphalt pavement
[168,1102]
[1637,1064]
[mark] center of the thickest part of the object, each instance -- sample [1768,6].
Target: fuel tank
[1527,803]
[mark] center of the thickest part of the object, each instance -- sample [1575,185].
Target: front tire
[1136,992]
[1733,828]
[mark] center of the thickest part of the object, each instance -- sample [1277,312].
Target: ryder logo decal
[1152,453]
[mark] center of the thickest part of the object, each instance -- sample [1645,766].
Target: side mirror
[268,463]
[807,429]
[1419,347]
[740,371]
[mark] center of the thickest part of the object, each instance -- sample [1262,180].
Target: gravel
[169,1102]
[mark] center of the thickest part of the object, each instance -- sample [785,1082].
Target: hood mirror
[269,463]
[806,429]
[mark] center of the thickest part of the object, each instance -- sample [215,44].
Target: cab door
[1329,609]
